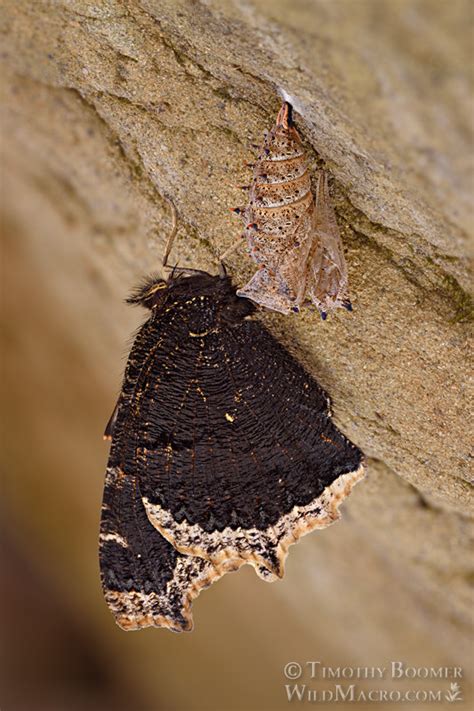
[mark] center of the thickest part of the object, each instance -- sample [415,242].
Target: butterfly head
[205,301]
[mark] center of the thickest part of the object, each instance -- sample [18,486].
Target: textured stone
[111,106]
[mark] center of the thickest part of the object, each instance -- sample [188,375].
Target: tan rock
[111,106]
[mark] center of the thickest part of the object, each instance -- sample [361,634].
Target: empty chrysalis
[292,234]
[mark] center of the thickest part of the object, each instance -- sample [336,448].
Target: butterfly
[223,453]
[292,234]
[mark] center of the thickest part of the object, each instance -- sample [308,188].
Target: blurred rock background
[108,107]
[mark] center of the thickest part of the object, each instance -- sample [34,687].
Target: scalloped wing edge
[267,548]
[134,610]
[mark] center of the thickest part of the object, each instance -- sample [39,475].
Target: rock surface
[110,107]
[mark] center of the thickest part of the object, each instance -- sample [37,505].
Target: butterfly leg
[172,235]
[109,429]
[235,245]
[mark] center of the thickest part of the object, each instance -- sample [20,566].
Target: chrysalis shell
[292,236]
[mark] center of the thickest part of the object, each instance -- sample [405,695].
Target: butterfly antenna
[172,235]
[175,272]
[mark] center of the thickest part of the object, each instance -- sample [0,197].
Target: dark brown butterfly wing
[145,580]
[229,437]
